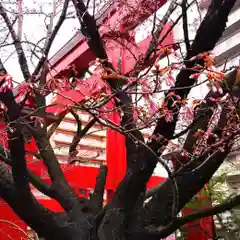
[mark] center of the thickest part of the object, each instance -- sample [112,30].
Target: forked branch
[98,194]
[51,38]
[17,44]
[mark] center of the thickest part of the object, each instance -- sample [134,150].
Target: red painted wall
[8,220]
[201,229]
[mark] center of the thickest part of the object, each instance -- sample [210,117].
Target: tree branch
[211,28]
[194,174]
[17,44]
[35,215]
[2,68]
[153,44]
[89,30]
[149,193]
[159,205]
[60,187]
[76,139]
[56,123]
[79,135]
[37,182]
[47,154]
[205,110]
[16,142]
[138,174]
[179,222]
[51,38]
[20,19]
[6,155]
[141,161]
[97,196]
[43,221]
[185,25]
[7,187]
[215,20]
[40,97]
[15,186]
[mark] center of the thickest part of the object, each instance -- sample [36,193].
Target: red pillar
[201,229]
[116,153]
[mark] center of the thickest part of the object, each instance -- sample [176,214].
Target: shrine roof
[78,38]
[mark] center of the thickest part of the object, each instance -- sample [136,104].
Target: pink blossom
[135,113]
[216,87]
[58,83]
[158,86]
[168,115]
[188,113]
[3,107]
[174,95]
[7,84]
[131,79]
[144,85]
[170,80]
[195,76]
[176,66]
[176,54]
[153,107]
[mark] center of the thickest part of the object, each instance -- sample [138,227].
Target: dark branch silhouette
[127,215]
